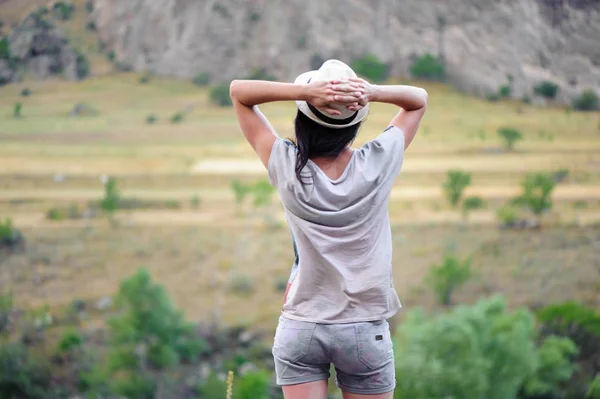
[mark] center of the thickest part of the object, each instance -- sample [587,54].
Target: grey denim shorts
[362,353]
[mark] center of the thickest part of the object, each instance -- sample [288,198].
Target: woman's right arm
[411,100]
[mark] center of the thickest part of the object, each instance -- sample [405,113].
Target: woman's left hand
[323,94]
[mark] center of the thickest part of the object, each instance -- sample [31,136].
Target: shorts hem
[302,380]
[359,391]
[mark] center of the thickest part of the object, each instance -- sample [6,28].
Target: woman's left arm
[247,94]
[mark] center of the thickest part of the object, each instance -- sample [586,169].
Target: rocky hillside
[483,43]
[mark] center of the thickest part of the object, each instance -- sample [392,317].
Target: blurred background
[143,253]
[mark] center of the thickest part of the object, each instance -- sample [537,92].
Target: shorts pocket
[292,339]
[374,342]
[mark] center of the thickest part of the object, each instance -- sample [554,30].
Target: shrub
[448,276]
[242,284]
[546,89]
[70,340]
[25,92]
[509,136]
[219,95]
[195,201]
[587,101]
[178,117]
[110,202]
[91,26]
[492,97]
[21,376]
[505,91]
[82,65]
[526,99]
[6,307]
[63,10]
[4,48]
[508,215]
[151,119]
[478,351]
[145,78]
[472,203]
[240,191]
[202,79]
[263,192]
[371,67]
[594,389]
[537,191]
[10,237]
[111,56]
[17,111]
[455,184]
[428,67]
[254,385]
[261,74]
[56,214]
[212,388]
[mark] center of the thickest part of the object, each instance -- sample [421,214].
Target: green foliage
[17,110]
[508,215]
[472,203]
[492,97]
[177,117]
[4,48]
[25,92]
[454,186]
[537,191]
[479,351]
[263,192]
[21,376]
[111,56]
[594,389]
[110,202]
[253,385]
[145,78]
[195,201]
[82,65]
[371,68]
[6,307]
[261,74]
[240,190]
[202,79]
[428,67]
[505,91]
[554,367]
[509,136]
[448,276]
[587,101]
[151,119]
[546,89]
[212,388]
[526,99]
[91,26]
[134,386]
[281,283]
[219,95]
[63,10]
[70,340]
[242,284]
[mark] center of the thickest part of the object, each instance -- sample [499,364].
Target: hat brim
[304,108]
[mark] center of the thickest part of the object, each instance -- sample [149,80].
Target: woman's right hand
[364,89]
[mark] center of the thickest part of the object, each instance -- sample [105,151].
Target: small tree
[505,91]
[110,202]
[509,137]
[371,67]
[428,67]
[537,192]
[448,276]
[240,190]
[17,111]
[219,95]
[472,203]
[546,89]
[202,79]
[587,101]
[455,184]
[21,376]
[508,215]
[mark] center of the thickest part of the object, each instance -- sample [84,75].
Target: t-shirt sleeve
[385,154]
[282,162]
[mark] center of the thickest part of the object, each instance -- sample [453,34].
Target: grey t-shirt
[341,233]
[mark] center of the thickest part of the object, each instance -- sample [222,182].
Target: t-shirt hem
[384,316]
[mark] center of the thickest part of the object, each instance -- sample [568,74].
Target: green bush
[212,388]
[428,67]
[240,191]
[454,186]
[110,202]
[4,48]
[509,137]
[25,92]
[253,385]
[21,376]
[56,214]
[261,74]
[134,386]
[202,79]
[151,119]
[219,95]
[63,10]
[70,340]
[10,237]
[263,192]
[91,26]
[472,203]
[6,307]
[505,91]
[526,99]
[546,89]
[195,201]
[82,65]
[111,56]
[242,285]
[594,389]
[145,78]
[493,97]
[537,192]
[18,110]
[508,215]
[177,117]
[371,68]
[479,351]
[587,101]
[448,276]
[281,283]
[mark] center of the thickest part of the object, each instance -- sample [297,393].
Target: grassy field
[201,253]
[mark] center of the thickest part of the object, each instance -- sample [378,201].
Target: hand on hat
[356,85]
[323,94]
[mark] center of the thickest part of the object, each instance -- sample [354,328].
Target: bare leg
[310,390]
[348,395]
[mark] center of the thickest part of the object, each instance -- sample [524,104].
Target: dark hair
[315,140]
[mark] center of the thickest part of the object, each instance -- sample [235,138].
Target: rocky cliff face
[483,42]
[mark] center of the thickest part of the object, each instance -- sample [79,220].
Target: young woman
[335,199]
